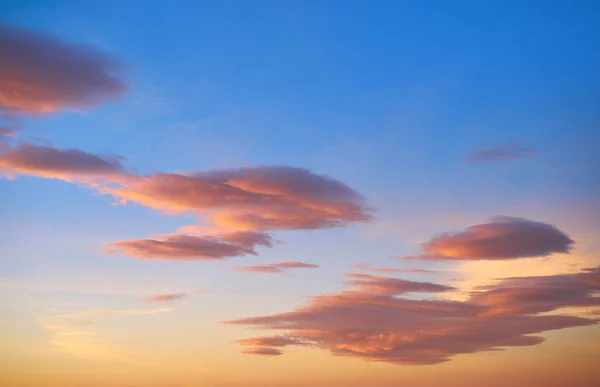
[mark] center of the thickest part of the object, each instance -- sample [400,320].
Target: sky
[299,193]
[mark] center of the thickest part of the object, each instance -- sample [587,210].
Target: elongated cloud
[253,198]
[187,247]
[41,74]
[386,270]
[503,238]
[277,268]
[274,341]
[263,351]
[374,322]
[165,297]
[63,164]
[502,152]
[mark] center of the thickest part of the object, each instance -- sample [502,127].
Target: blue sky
[389,97]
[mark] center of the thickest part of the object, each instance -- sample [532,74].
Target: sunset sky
[299,193]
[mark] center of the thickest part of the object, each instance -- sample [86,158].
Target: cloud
[263,351]
[251,198]
[64,164]
[165,297]
[4,131]
[370,284]
[277,268]
[384,270]
[41,74]
[501,152]
[373,322]
[501,239]
[274,341]
[187,247]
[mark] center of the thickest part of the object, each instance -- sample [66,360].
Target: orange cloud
[263,351]
[165,297]
[384,270]
[252,198]
[187,247]
[501,152]
[274,341]
[373,323]
[41,74]
[64,164]
[276,268]
[503,238]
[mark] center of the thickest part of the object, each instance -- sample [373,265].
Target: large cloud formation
[252,198]
[502,238]
[501,152]
[63,164]
[374,322]
[277,268]
[188,247]
[41,74]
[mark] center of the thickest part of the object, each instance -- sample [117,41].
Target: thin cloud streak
[502,152]
[276,268]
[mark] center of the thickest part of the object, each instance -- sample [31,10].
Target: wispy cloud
[501,152]
[165,297]
[188,247]
[64,164]
[386,270]
[276,268]
[262,351]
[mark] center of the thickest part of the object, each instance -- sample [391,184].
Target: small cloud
[501,239]
[262,351]
[276,268]
[384,270]
[165,297]
[501,152]
[188,247]
[63,164]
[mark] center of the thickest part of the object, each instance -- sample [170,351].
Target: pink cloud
[274,341]
[41,74]
[252,198]
[501,152]
[374,323]
[501,239]
[165,297]
[186,247]
[64,164]
[277,268]
[384,270]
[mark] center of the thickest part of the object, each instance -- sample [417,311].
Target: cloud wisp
[501,152]
[64,164]
[42,74]
[387,270]
[503,238]
[188,247]
[276,268]
[165,297]
[374,322]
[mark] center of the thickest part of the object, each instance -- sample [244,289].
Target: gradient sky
[299,193]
